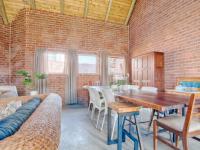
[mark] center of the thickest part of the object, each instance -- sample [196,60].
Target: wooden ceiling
[115,11]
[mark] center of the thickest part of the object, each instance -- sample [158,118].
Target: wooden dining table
[160,101]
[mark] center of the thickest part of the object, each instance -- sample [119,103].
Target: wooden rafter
[62,6]
[130,12]
[3,12]
[32,4]
[86,8]
[108,10]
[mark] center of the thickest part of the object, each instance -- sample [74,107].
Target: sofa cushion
[10,124]
[9,109]
[192,84]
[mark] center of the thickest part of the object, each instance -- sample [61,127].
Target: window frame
[97,63]
[65,59]
[119,57]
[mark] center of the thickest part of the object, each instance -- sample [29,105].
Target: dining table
[160,101]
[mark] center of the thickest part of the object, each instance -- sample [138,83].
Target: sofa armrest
[41,130]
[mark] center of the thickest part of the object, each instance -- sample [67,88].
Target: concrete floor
[78,132]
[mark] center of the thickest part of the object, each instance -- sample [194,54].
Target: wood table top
[160,101]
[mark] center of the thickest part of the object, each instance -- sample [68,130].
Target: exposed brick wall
[17,44]
[4,53]
[172,27]
[34,29]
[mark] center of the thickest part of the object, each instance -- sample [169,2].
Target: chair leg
[185,143]
[103,121]
[98,118]
[151,120]
[113,129]
[89,107]
[138,134]
[177,138]
[93,110]
[155,134]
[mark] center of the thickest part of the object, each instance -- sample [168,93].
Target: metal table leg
[109,128]
[119,133]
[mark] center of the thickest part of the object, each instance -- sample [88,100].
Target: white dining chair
[91,100]
[99,104]
[149,89]
[109,98]
[134,87]
[114,87]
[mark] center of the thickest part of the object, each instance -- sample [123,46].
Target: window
[56,62]
[87,64]
[116,66]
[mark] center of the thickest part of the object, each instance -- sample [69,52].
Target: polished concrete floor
[78,132]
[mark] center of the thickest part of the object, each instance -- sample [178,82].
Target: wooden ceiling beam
[130,11]
[62,6]
[3,12]
[86,8]
[108,10]
[32,4]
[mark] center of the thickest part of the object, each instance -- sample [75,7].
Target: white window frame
[97,63]
[124,69]
[56,52]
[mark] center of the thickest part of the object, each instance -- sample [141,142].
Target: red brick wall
[34,29]
[17,44]
[4,53]
[172,27]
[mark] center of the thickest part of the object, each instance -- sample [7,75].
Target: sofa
[41,131]
[8,91]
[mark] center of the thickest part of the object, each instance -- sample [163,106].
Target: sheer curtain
[40,66]
[71,77]
[104,68]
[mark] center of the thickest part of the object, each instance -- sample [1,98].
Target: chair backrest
[192,112]
[108,95]
[97,98]
[134,87]
[12,90]
[91,94]
[124,87]
[149,89]
[114,87]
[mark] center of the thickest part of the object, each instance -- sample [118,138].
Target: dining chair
[184,127]
[114,87]
[109,98]
[134,87]
[99,104]
[149,89]
[91,100]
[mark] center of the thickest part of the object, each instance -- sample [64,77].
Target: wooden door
[135,71]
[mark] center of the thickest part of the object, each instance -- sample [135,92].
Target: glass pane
[116,66]
[56,62]
[87,64]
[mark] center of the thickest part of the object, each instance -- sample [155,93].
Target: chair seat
[177,123]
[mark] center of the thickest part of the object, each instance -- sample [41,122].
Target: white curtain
[71,78]
[104,68]
[40,66]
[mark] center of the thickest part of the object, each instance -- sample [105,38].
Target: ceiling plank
[62,6]
[130,11]
[32,4]
[108,10]
[3,12]
[86,8]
